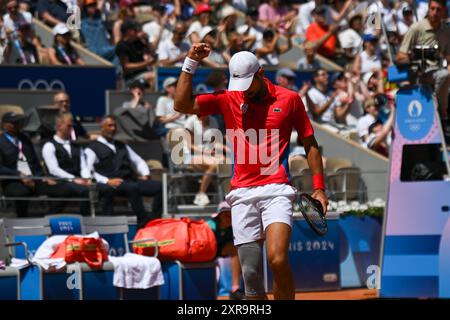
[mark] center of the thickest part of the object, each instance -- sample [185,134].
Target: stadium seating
[66,224]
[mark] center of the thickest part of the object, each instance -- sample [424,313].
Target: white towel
[19,263]
[133,271]
[49,246]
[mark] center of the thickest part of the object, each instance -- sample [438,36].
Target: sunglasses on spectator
[12,7]
[180,33]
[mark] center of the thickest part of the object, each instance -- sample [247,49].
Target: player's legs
[276,215]
[251,259]
[277,246]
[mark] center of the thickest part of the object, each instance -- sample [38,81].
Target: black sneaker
[237,295]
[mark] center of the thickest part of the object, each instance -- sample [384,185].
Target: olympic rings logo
[41,84]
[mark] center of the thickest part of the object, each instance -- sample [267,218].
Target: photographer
[432,31]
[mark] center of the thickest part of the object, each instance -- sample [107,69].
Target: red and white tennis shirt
[272,120]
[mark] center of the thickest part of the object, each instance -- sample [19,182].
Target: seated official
[66,160]
[112,163]
[18,158]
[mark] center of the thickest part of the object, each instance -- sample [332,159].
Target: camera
[423,58]
[423,53]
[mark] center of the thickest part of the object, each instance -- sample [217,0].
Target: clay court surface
[347,294]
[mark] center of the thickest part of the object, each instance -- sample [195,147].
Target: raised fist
[199,51]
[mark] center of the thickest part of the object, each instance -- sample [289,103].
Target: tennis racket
[312,211]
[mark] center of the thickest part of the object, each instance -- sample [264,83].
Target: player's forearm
[313,155]
[184,99]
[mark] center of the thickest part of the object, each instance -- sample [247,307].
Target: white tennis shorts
[255,208]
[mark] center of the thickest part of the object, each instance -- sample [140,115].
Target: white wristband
[189,65]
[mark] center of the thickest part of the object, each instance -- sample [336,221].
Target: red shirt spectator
[320,30]
[316,32]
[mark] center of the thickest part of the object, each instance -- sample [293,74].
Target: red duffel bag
[178,239]
[82,249]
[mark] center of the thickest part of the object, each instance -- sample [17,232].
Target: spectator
[372,111]
[135,56]
[370,58]
[252,29]
[350,39]
[407,20]
[138,102]
[18,159]
[203,13]
[270,51]
[236,43]
[62,52]
[372,84]
[172,52]
[276,16]
[221,226]
[217,58]
[65,160]
[305,16]
[227,25]
[112,163]
[309,62]
[158,30]
[165,112]
[126,13]
[137,90]
[14,17]
[183,10]
[61,101]
[379,136]
[322,34]
[320,102]
[344,99]
[53,12]
[21,50]
[95,34]
[203,157]
[285,78]
[385,9]
[432,31]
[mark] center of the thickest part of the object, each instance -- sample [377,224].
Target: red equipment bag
[178,239]
[81,249]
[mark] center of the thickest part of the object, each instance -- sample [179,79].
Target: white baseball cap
[60,28]
[243,66]
[204,32]
[366,77]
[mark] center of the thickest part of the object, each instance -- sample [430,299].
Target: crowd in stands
[361,37]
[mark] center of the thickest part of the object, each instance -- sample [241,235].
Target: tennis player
[260,195]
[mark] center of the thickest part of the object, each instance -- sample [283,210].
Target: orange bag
[178,239]
[80,249]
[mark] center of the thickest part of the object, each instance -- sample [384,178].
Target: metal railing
[92,198]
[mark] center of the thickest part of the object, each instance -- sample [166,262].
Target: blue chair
[9,277]
[65,224]
[189,281]
[31,233]
[115,231]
